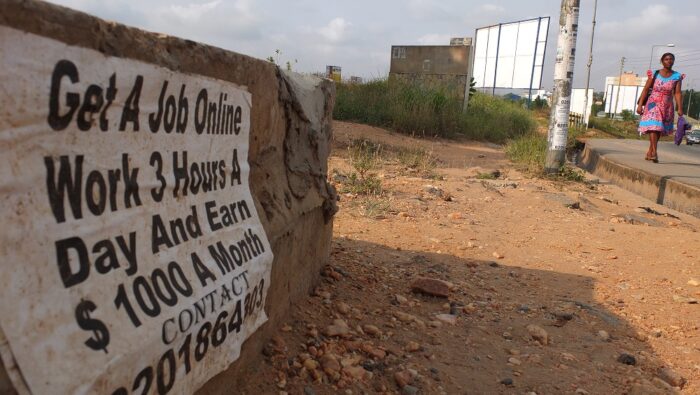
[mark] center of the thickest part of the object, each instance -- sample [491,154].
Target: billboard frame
[538,43]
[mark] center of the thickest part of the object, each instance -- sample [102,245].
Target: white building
[629,89]
[578,102]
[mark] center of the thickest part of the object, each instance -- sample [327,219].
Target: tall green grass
[616,128]
[431,111]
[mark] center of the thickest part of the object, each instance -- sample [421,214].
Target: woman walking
[656,104]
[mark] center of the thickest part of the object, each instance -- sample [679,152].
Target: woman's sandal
[654,159]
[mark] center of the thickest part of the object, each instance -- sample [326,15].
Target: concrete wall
[289,147]
[431,59]
[436,66]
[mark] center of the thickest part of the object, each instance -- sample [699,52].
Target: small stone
[309,391]
[469,308]
[401,299]
[357,372]
[498,255]
[286,328]
[350,361]
[507,381]
[581,391]
[330,363]
[413,346]
[325,295]
[373,351]
[431,286]
[603,335]
[538,334]
[409,390]
[627,359]
[434,324]
[454,216]
[672,377]
[403,378]
[523,309]
[343,308]
[514,361]
[404,317]
[693,282]
[336,331]
[372,330]
[507,336]
[310,364]
[447,318]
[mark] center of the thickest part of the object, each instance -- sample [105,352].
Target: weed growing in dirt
[365,156]
[431,111]
[374,207]
[568,173]
[486,176]
[418,160]
[369,184]
[531,152]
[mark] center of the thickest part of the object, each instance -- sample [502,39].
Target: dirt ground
[538,286]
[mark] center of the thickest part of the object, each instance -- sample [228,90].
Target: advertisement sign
[132,256]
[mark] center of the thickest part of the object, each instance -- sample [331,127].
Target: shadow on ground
[489,350]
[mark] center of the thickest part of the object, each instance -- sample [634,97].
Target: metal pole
[619,85]
[690,98]
[561,95]
[495,71]
[588,65]
[534,60]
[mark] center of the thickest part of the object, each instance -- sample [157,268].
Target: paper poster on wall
[133,259]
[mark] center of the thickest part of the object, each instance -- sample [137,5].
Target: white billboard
[578,102]
[626,100]
[511,55]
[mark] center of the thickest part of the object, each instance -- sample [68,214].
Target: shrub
[430,111]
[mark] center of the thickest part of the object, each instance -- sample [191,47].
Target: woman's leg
[654,141]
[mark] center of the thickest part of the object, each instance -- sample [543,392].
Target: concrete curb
[661,189]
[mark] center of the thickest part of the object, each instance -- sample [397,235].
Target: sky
[357,35]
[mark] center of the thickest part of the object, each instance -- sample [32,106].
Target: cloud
[492,8]
[335,30]
[193,11]
[216,22]
[434,39]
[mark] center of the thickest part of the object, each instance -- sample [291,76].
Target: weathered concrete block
[290,131]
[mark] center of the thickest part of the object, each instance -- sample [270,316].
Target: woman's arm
[643,96]
[679,98]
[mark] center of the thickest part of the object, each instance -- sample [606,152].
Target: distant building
[630,88]
[334,73]
[355,80]
[446,66]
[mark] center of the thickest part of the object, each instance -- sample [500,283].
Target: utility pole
[590,62]
[619,85]
[561,93]
[690,98]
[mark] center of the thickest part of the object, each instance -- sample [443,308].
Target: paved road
[680,163]
[674,181]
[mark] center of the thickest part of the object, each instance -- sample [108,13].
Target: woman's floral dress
[658,115]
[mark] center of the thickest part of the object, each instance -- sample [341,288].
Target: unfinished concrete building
[445,66]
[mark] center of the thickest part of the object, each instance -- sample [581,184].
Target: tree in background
[694,98]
